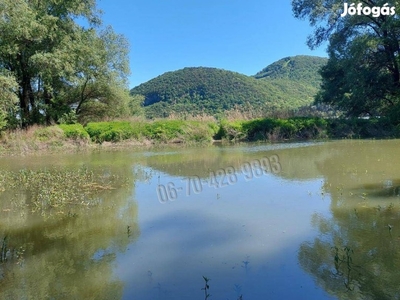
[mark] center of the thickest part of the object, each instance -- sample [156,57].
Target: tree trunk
[24,102]
[26,95]
[47,101]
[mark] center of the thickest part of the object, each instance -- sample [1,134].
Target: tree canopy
[362,76]
[57,56]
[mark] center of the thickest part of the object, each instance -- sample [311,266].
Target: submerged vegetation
[60,228]
[206,289]
[52,189]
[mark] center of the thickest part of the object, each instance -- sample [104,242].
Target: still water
[262,221]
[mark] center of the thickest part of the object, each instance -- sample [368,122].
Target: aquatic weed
[54,188]
[206,288]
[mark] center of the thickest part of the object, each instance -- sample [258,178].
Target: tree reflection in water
[66,251]
[356,255]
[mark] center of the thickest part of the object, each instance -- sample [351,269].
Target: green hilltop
[288,83]
[299,68]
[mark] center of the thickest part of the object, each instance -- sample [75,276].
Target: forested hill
[300,68]
[212,91]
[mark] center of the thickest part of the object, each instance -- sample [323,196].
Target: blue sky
[237,35]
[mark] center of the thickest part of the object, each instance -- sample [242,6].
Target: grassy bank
[164,131]
[76,137]
[140,132]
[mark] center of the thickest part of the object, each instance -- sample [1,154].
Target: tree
[8,98]
[58,63]
[362,76]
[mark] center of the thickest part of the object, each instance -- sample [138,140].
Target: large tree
[61,57]
[362,76]
[8,98]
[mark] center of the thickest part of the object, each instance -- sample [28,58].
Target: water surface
[265,221]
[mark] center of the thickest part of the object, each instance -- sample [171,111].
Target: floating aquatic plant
[45,189]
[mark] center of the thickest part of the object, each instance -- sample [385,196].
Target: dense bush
[159,131]
[273,129]
[180,131]
[111,131]
[362,128]
[188,131]
[165,130]
[74,131]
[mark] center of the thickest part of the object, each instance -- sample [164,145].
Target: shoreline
[115,135]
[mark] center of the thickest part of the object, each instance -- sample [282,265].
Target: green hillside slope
[301,68]
[213,91]
[295,75]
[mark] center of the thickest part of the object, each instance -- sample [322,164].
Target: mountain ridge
[195,90]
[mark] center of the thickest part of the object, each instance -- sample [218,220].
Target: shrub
[111,131]
[273,129]
[232,130]
[361,128]
[200,131]
[165,130]
[74,131]
[161,131]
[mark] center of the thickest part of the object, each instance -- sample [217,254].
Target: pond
[317,220]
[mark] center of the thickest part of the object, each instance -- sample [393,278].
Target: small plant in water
[246,264]
[3,250]
[206,288]
[344,265]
